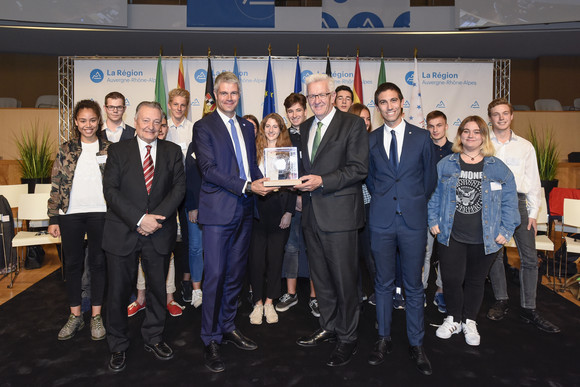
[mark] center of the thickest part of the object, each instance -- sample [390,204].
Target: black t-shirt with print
[467,226]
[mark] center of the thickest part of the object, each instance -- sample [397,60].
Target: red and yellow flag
[357,87]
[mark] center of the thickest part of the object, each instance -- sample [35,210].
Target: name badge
[102,159]
[495,186]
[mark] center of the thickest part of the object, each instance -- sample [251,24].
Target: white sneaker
[270,313]
[196,298]
[471,334]
[448,328]
[257,314]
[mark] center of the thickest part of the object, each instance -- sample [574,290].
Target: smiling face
[148,123]
[296,114]
[501,117]
[320,98]
[343,100]
[437,127]
[177,108]
[227,98]
[471,137]
[272,131]
[87,122]
[391,107]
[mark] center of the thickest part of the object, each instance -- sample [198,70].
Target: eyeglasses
[312,97]
[115,108]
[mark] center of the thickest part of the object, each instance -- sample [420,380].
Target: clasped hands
[150,224]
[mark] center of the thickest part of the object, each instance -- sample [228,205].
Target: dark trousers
[224,265]
[411,246]
[334,269]
[181,250]
[266,257]
[73,229]
[463,271]
[122,277]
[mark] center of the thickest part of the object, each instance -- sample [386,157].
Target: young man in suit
[402,177]
[115,129]
[335,161]
[226,155]
[143,184]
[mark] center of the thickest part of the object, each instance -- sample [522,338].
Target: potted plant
[547,155]
[35,156]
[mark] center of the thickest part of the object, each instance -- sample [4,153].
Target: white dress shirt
[143,152]
[116,135]
[226,121]
[180,134]
[399,133]
[519,155]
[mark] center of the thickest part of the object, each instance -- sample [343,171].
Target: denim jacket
[499,212]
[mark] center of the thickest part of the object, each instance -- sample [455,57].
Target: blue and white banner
[366,14]
[458,89]
[231,13]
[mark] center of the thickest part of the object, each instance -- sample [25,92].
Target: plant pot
[32,182]
[548,186]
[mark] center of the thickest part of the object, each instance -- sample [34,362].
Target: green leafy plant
[546,153]
[35,152]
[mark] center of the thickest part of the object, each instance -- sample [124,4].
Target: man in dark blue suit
[226,154]
[401,178]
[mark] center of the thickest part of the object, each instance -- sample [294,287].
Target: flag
[377,118]
[209,97]
[180,74]
[269,92]
[416,105]
[160,95]
[328,70]
[298,77]
[357,87]
[237,73]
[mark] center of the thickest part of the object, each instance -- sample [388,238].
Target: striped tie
[148,169]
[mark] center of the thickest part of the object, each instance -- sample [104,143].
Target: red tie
[148,169]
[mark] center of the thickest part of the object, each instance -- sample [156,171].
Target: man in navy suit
[402,176]
[226,154]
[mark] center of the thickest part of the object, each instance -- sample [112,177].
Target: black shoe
[382,347]
[118,361]
[316,338]
[161,350]
[186,291]
[531,316]
[423,364]
[213,360]
[238,339]
[498,310]
[341,354]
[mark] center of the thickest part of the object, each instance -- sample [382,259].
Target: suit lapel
[224,132]
[159,162]
[331,133]
[304,136]
[135,159]
[408,143]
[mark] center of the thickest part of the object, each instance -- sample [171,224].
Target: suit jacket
[221,186]
[128,133]
[127,198]
[342,162]
[192,180]
[410,186]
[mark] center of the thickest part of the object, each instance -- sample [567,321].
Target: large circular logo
[97,76]
[305,74]
[256,9]
[365,20]
[328,21]
[200,75]
[410,78]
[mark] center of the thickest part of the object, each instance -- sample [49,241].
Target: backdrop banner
[457,88]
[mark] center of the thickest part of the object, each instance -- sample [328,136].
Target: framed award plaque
[281,166]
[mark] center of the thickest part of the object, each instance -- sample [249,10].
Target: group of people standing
[393,195]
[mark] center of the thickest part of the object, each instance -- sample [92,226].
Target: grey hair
[151,104]
[320,77]
[226,76]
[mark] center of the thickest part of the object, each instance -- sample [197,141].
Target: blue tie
[238,150]
[393,151]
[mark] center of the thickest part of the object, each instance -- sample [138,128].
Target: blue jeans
[294,266]
[526,243]
[195,251]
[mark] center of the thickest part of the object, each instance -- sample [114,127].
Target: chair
[543,242]
[47,101]
[6,102]
[42,188]
[576,103]
[12,193]
[32,207]
[548,105]
[571,217]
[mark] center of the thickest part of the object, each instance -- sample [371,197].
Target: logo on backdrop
[457,122]
[406,105]
[195,102]
[97,76]
[441,105]
[365,20]
[410,78]
[304,74]
[475,105]
[328,21]
[371,104]
[200,76]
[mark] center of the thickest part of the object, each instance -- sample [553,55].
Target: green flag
[377,118]
[160,95]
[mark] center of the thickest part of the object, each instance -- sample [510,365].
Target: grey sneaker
[286,302]
[98,331]
[313,304]
[74,324]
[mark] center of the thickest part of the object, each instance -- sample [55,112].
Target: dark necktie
[238,150]
[393,151]
[317,139]
[148,169]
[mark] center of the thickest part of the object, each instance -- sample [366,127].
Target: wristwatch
[248,190]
